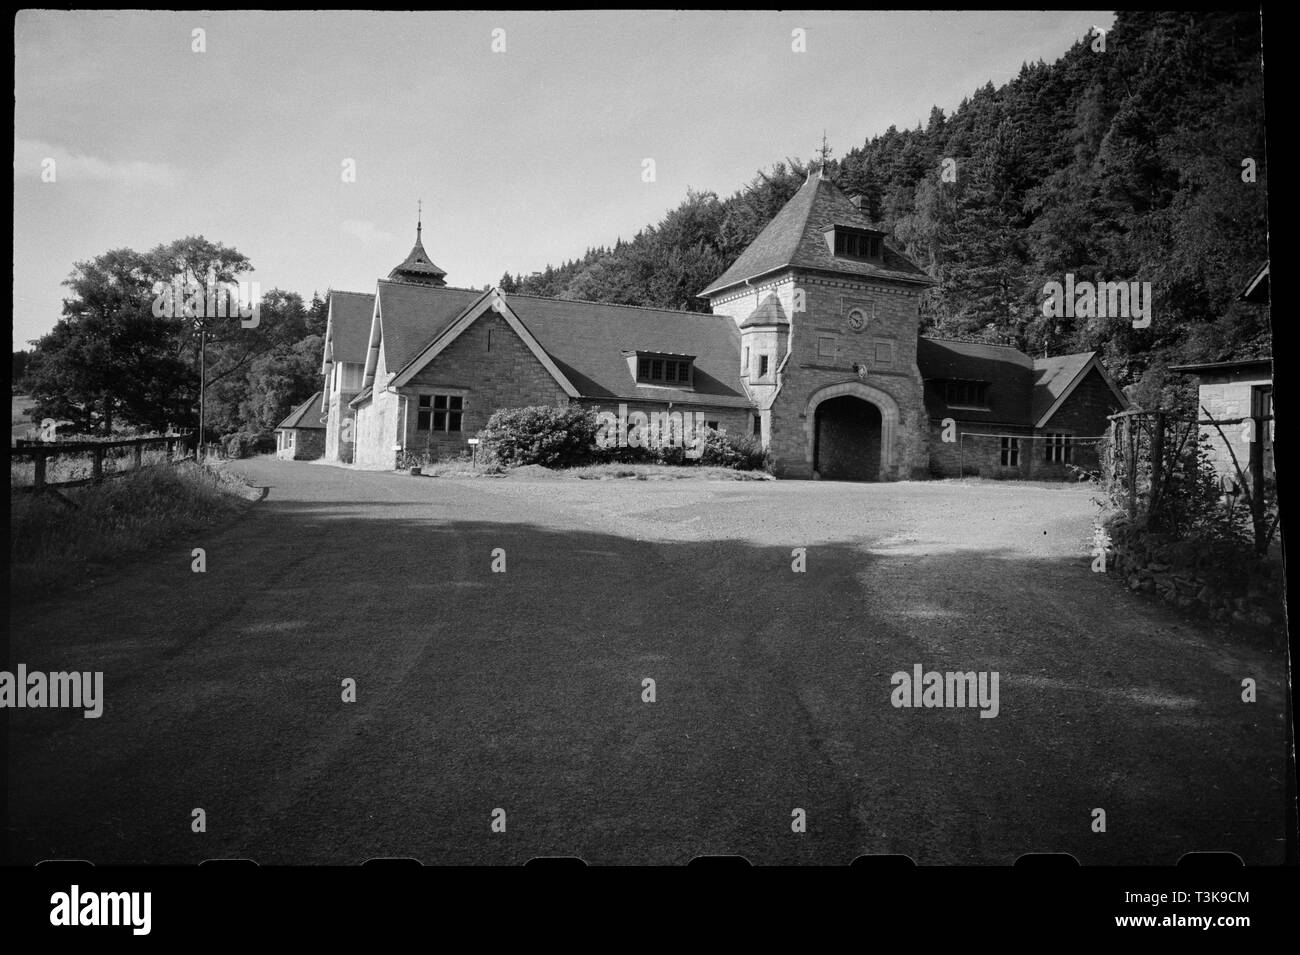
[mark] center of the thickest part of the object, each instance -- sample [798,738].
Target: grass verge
[53,546]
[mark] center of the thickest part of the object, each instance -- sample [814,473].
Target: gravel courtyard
[523,690]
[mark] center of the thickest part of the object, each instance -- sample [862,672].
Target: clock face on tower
[857,320]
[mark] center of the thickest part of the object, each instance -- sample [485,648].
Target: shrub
[551,437]
[741,452]
[238,444]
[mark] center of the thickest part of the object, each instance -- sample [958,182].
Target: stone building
[812,347]
[301,435]
[1232,391]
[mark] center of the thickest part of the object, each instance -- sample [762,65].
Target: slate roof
[1009,372]
[794,238]
[1053,375]
[411,316]
[306,415]
[590,342]
[349,329]
[1243,364]
[769,312]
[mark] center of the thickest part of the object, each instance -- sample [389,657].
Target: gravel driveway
[523,690]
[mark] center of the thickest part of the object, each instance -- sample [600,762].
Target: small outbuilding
[301,436]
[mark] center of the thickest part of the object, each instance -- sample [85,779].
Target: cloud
[31,156]
[367,233]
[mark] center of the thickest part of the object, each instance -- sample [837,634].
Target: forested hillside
[1122,164]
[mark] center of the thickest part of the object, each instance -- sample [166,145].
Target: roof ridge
[588,301]
[440,288]
[968,341]
[1072,354]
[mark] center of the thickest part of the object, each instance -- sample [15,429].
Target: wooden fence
[41,453]
[1145,447]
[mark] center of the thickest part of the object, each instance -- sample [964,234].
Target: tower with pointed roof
[828,313]
[418,268]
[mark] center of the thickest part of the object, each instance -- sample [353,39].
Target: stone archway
[850,429]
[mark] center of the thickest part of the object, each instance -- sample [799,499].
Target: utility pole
[203,385]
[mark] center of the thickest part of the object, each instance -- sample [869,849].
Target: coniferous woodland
[1122,165]
[1144,162]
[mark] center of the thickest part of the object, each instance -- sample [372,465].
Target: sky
[523,155]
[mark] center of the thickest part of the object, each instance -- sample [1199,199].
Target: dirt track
[522,690]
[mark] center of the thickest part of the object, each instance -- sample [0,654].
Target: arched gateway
[850,430]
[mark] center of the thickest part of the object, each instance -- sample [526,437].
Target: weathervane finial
[825,150]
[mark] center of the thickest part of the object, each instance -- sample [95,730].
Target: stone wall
[1215,579]
[489,367]
[308,444]
[1227,396]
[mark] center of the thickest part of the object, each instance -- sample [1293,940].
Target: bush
[240,444]
[740,452]
[551,437]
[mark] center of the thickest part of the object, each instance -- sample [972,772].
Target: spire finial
[419,217]
[825,150]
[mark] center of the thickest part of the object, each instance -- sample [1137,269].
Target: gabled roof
[348,327]
[1056,378]
[1022,391]
[1052,376]
[306,415]
[769,312]
[587,344]
[1008,371]
[491,300]
[589,340]
[411,316]
[794,238]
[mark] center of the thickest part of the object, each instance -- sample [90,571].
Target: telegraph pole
[203,385]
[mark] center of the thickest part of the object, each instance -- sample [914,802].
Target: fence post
[1157,469]
[1258,516]
[39,457]
[1132,467]
[97,468]
[139,455]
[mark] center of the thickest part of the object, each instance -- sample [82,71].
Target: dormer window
[966,394]
[852,242]
[672,370]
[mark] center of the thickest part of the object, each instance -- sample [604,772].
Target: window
[712,425]
[966,394]
[884,353]
[825,348]
[762,366]
[857,245]
[1058,449]
[744,363]
[664,370]
[1011,452]
[758,426]
[439,412]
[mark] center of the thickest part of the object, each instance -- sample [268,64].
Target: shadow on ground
[523,691]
